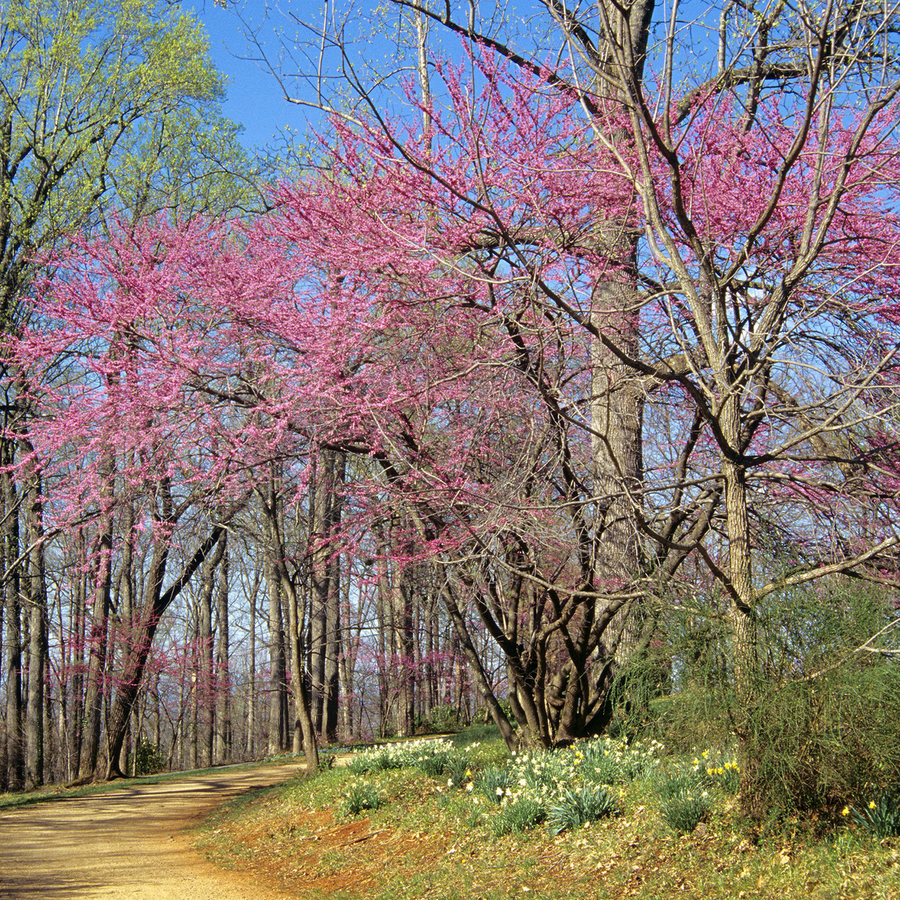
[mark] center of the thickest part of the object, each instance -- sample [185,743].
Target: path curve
[128,843]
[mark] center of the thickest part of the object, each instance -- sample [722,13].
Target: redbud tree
[601,337]
[678,272]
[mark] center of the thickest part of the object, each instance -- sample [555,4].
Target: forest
[555,381]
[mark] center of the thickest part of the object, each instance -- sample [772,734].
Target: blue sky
[255,99]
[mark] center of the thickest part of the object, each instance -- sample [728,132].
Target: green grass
[478,733]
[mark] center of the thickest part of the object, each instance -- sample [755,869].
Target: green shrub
[517,817]
[576,808]
[829,727]
[819,722]
[444,719]
[148,759]
[359,798]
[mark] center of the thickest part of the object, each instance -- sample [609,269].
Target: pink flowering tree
[146,470]
[607,337]
[587,340]
[559,455]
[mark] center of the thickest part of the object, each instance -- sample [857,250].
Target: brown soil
[127,843]
[312,856]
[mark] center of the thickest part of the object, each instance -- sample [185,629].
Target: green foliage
[109,106]
[359,798]
[517,817]
[444,719]
[881,818]
[825,726]
[575,808]
[637,691]
[820,718]
[148,759]
[692,707]
[493,783]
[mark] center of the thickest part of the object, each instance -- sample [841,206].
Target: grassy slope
[431,841]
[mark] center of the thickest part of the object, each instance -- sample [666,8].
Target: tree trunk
[126,604]
[77,643]
[3,741]
[97,646]
[333,650]
[402,635]
[485,688]
[303,733]
[223,736]
[278,737]
[324,614]
[205,698]
[156,602]
[15,757]
[741,610]
[345,669]
[37,599]
[251,695]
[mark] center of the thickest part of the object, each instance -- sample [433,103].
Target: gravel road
[127,843]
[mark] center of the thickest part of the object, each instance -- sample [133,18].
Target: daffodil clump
[359,798]
[550,780]
[566,788]
[717,769]
[397,756]
[881,817]
[684,801]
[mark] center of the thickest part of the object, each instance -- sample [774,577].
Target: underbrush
[602,819]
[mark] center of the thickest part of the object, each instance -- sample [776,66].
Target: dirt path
[127,843]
